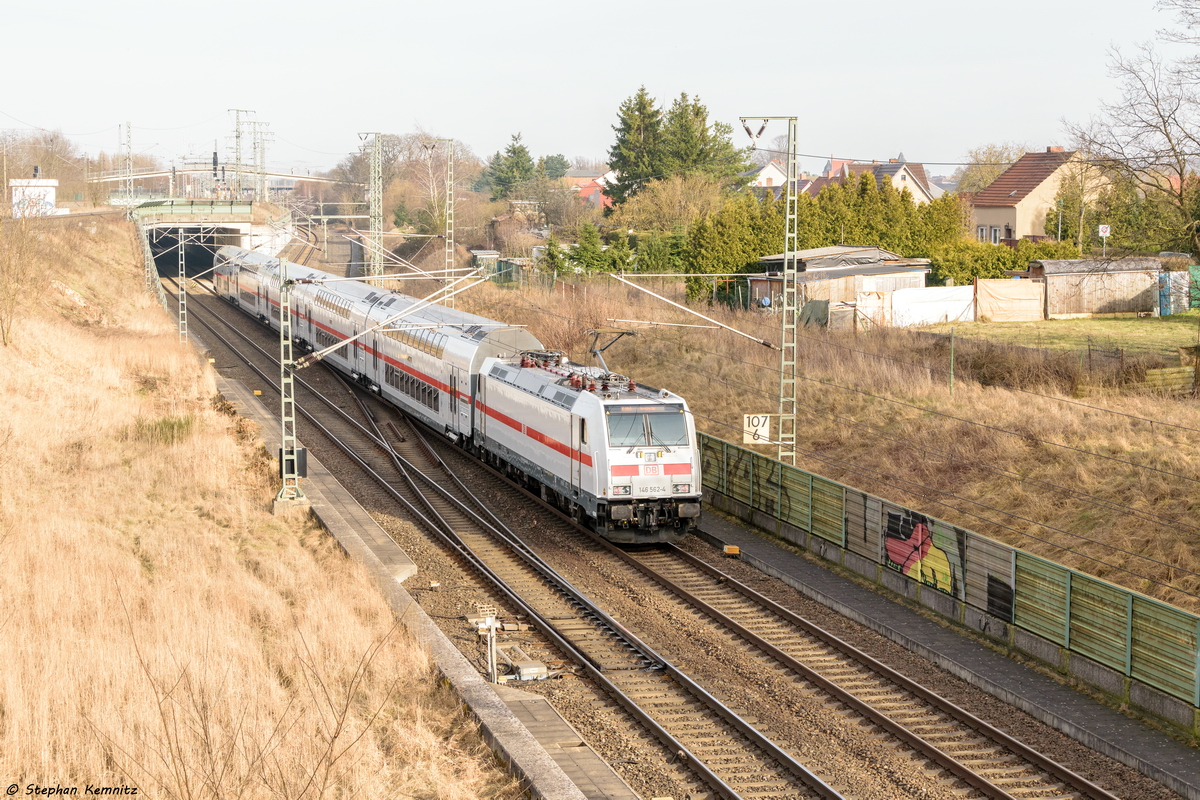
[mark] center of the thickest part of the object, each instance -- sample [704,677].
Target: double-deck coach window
[414,387]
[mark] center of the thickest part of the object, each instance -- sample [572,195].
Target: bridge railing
[166,208]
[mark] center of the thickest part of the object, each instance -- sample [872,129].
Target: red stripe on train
[536,435]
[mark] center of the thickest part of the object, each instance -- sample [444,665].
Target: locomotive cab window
[646,426]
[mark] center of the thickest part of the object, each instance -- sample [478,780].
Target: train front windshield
[647,426]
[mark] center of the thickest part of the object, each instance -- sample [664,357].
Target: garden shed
[1093,287]
[841,285]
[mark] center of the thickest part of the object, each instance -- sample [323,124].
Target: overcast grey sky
[867,78]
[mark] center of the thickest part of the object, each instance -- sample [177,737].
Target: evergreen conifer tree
[511,170]
[587,255]
[553,260]
[636,153]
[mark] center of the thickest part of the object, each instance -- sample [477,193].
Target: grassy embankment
[1161,335]
[162,629]
[1079,484]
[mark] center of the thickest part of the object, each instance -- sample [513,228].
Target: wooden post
[952,362]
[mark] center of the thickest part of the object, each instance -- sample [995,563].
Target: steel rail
[546,626]
[966,774]
[810,779]
[1019,748]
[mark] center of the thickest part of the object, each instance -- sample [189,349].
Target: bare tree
[777,150]
[1187,15]
[669,204]
[986,162]
[414,168]
[20,274]
[589,163]
[1149,135]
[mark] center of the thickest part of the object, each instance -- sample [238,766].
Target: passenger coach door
[460,409]
[578,442]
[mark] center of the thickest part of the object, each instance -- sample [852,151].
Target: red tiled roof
[815,186]
[918,171]
[1016,182]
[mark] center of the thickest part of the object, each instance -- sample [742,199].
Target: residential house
[580,177]
[766,176]
[590,185]
[594,195]
[1015,205]
[903,175]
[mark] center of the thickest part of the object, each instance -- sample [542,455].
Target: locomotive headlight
[681,488]
[619,490]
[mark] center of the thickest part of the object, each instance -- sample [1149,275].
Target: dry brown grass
[1012,465]
[163,629]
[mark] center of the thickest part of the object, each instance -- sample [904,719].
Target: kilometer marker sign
[756,428]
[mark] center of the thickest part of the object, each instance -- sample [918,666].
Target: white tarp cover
[1010,300]
[933,304]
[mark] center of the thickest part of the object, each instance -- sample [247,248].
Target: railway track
[304,252]
[976,755]
[725,752]
[724,749]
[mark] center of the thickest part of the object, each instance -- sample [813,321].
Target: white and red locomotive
[624,456]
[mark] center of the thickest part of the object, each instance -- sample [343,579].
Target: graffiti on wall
[924,549]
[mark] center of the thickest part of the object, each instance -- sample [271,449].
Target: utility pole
[375,203]
[183,327]
[129,165]
[237,151]
[260,161]
[787,345]
[449,215]
[292,458]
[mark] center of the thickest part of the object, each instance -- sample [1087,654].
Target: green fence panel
[1100,622]
[712,463]
[1041,598]
[739,468]
[796,498]
[989,578]
[1165,652]
[766,484]
[863,535]
[829,511]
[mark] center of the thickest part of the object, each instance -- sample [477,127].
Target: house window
[981,233]
[770,181]
[995,234]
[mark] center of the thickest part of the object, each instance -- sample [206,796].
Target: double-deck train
[620,455]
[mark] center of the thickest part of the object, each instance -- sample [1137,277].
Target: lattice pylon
[287,413]
[787,355]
